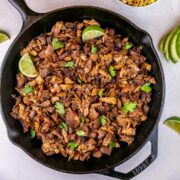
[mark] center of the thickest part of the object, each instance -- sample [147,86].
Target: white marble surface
[157,20]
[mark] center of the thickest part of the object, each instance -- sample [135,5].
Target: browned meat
[93,114]
[44,71]
[88,66]
[23,115]
[54,99]
[106,150]
[45,95]
[46,103]
[72,119]
[109,100]
[49,52]
[78,103]
[97,154]
[44,127]
[101,134]
[127,139]
[32,114]
[57,28]
[107,139]
[20,80]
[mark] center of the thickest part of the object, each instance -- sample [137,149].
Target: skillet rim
[150,41]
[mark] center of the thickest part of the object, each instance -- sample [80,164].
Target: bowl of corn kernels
[138,3]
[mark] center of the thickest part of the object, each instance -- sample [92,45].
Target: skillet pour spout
[35,24]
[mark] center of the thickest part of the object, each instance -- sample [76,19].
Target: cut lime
[178,45]
[26,66]
[172,49]
[161,46]
[173,123]
[3,36]
[92,32]
[167,44]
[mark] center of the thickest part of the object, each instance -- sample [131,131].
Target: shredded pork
[87,92]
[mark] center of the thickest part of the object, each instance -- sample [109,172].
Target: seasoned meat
[109,100]
[45,127]
[20,80]
[49,51]
[87,97]
[106,150]
[72,119]
[44,71]
[57,28]
[97,154]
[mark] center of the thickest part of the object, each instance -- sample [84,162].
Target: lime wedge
[26,66]
[161,46]
[167,44]
[92,32]
[178,45]
[173,123]
[172,47]
[3,36]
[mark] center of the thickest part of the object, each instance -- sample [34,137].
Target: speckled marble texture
[156,19]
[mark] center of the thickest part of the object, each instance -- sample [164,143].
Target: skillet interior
[8,81]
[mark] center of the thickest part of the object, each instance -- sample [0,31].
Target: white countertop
[157,20]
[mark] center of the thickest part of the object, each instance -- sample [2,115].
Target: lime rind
[173,123]
[172,47]
[26,66]
[91,32]
[3,36]
[178,45]
[161,46]
[167,43]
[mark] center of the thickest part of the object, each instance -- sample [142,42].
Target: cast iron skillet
[34,24]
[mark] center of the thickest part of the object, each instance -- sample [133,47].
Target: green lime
[26,66]
[91,32]
[167,44]
[178,45]
[3,36]
[173,123]
[172,49]
[161,46]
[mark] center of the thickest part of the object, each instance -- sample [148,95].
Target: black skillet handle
[141,167]
[28,15]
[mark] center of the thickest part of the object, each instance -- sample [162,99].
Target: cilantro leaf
[112,71]
[79,80]
[63,125]
[82,119]
[128,45]
[32,133]
[112,144]
[93,49]
[146,87]
[80,133]
[100,93]
[69,64]
[56,44]
[102,120]
[27,89]
[129,107]
[59,108]
[72,145]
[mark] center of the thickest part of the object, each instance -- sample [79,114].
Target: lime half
[3,37]
[26,66]
[173,123]
[92,32]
